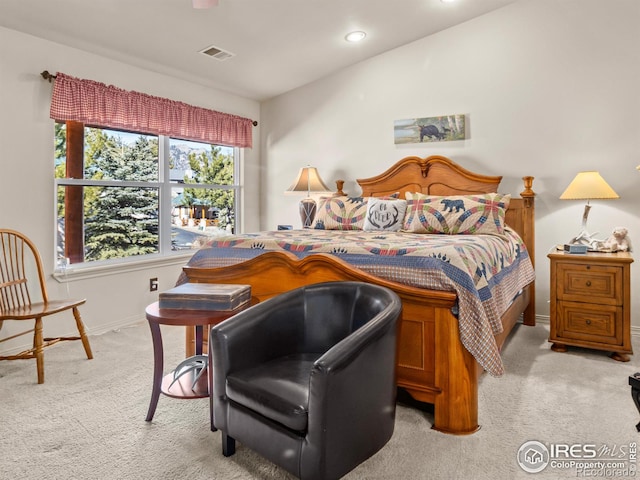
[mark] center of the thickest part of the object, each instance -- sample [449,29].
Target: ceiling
[278,45]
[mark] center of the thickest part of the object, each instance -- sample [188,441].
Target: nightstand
[590,302]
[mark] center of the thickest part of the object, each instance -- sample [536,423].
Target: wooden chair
[18,258]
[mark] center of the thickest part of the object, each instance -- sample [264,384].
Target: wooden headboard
[434,175]
[438,175]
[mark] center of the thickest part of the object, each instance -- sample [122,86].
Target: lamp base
[584,237]
[587,239]
[307,211]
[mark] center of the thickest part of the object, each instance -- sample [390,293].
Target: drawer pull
[588,322]
[588,283]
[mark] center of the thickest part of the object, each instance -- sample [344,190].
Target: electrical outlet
[153,284]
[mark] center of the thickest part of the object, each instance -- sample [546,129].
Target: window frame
[64,271]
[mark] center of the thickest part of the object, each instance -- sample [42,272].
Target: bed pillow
[342,212]
[456,215]
[385,214]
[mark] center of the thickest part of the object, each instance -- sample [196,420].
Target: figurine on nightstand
[618,241]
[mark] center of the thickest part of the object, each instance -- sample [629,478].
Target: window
[126,194]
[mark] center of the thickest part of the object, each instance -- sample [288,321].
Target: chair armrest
[364,365]
[357,344]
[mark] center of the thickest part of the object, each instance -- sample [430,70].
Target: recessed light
[355,36]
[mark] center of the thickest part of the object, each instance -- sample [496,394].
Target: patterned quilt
[486,271]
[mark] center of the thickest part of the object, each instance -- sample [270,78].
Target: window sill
[73,274]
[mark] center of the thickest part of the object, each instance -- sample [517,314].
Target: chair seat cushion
[278,389]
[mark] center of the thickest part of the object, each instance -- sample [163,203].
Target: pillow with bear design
[457,214]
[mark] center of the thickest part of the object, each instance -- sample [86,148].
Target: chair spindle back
[15,250]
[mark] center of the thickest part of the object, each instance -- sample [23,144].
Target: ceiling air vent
[217,53]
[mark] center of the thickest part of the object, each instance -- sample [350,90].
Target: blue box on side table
[573,248]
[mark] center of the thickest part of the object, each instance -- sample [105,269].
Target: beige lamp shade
[308,180]
[588,186]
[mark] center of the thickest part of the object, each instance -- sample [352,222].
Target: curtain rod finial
[47,76]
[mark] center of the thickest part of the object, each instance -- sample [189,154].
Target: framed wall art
[429,129]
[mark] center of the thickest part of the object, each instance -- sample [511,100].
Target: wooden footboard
[433,366]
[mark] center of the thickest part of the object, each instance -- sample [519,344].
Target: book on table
[205,296]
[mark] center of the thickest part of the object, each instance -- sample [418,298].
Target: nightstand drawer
[598,324]
[590,283]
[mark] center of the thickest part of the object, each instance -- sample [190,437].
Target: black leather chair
[307,378]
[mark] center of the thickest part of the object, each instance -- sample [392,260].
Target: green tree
[215,168]
[120,221]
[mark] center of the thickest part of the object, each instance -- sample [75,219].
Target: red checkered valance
[95,103]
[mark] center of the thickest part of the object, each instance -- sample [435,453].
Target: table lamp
[587,186]
[308,180]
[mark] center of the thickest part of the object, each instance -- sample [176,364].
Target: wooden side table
[590,302]
[197,319]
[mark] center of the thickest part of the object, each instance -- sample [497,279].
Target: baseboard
[136,319]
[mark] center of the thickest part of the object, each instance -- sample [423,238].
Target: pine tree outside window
[123,195]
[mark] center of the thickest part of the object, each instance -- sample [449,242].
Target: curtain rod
[49,76]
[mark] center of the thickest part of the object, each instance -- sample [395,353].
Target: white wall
[27,168]
[549,88]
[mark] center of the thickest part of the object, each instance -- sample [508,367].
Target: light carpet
[87,420]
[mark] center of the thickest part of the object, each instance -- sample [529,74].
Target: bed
[441,351]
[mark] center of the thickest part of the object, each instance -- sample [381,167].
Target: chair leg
[39,352]
[83,335]
[228,445]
